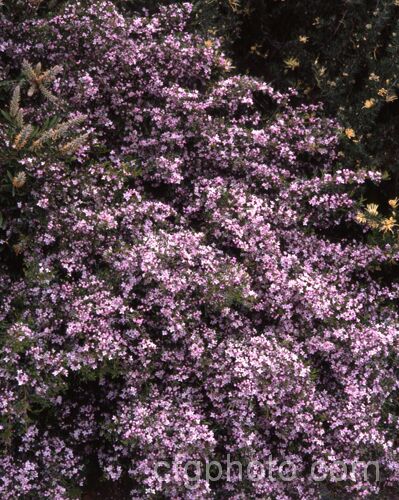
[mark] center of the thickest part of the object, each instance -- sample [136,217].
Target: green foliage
[343,53]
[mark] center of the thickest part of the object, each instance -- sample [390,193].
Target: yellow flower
[388,225]
[303,39]
[372,209]
[382,92]
[208,44]
[374,77]
[322,70]
[393,203]
[226,64]
[292,63]
[350,133]
[361,218]
[391,97]
[369,103]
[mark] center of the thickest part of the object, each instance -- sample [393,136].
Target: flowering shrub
[183,291]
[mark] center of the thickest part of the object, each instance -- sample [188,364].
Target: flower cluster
[385,224]
[183,290]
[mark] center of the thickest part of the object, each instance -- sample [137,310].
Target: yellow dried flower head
[208,44]
[39,79]
[234,5]
[303,39]
[322,71]
[23,137]
[15,102]
[369,103]
[388,225]
[361,218]
[19,180]
[372,209]
[72,146]
[382,92]
[226,64]
[350,133]
[391,97]
[292,63]
[393,203]
[18,248]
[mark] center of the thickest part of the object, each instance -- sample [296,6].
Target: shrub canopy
[179,288]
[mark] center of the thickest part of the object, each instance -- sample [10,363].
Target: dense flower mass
[179,289]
